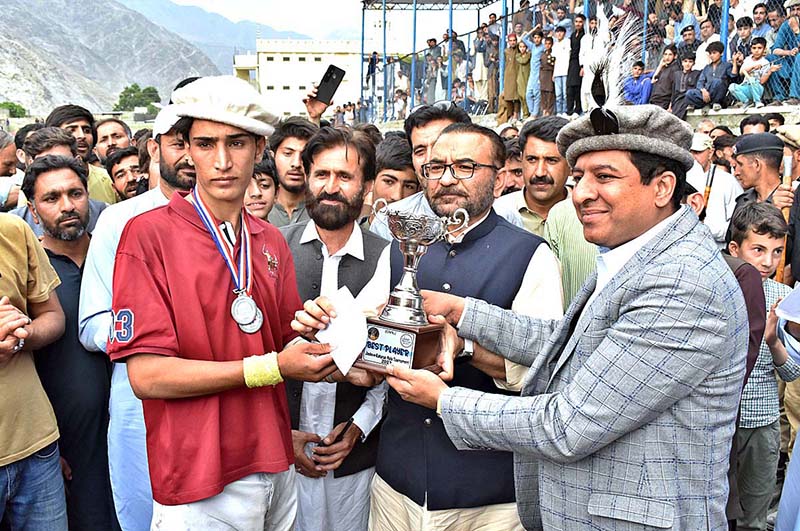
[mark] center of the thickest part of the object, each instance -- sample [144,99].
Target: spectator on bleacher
[707,36]
[511,95]
[760,25]
[530,86]
[433,49]
[654,46]
[546,78]
[479,71]
[756,70]
[637,87]
[712,87]
[575,70]
[737,10]
[775,17]
[786,83]
[715,15]
[684,82]
[664,78]
[494,26]
[523,59]
[562,20]
[689,43]
[492,73]
[593,48]
[523,16]
[561,53]
[741,41]
[680,20]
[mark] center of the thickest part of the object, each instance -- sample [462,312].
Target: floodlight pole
[413,57]
[644,31]
[363,16]
[385,103]
[501,49]
[450,51]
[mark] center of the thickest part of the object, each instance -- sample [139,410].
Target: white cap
[701,142]
[165,120]
[228,100]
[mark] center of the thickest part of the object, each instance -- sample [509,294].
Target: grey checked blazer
[625,423]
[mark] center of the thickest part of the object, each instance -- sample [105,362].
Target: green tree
[14,109]
[134,96]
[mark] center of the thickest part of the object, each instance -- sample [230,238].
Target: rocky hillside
[85,52]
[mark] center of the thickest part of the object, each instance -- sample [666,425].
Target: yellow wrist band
[260,371]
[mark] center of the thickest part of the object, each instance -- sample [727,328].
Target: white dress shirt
[328,502]
[721,201]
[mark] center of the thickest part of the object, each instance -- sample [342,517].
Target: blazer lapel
[673,232]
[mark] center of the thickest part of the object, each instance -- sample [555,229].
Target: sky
[341,19]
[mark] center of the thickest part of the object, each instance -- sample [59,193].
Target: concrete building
[285,70]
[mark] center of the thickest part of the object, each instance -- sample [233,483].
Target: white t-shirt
[759,67]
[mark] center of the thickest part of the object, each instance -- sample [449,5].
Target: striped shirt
[759,405]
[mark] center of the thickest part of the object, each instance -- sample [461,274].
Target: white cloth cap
[165,120]
[701,142]
[228,100]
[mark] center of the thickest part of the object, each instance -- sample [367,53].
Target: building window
[270,58]
[286,59]
[301,59]
[318,59]
[302,87]
[270,87]
[286,87]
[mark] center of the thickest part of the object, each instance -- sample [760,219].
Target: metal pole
[450,51]
[363,16]
[385,103]
[502,48]
[586,14]
[723,28]
[644,31]
[413,58]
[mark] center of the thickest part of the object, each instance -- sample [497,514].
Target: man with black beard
[130,479]
[76,381]
[332,251]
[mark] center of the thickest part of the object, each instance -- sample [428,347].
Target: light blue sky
[340,18]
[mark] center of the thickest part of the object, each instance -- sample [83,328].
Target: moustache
[183,166]
[450,193]
[325,196]
[541,180]
[67,217]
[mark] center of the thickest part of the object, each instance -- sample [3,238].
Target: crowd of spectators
[546,61]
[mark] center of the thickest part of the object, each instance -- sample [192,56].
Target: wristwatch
[467,353]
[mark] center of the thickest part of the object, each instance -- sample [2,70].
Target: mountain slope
[217,36]
[86,52]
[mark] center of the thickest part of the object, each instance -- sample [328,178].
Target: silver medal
[255,326]
[244,309]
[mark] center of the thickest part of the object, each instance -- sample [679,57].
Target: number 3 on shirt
[122,327]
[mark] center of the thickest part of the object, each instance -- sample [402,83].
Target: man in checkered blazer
[628,409]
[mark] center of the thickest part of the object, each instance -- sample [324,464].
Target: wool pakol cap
[228,100]
[790,134]
[790,3]
[757,143]
[165,120]
[644,128]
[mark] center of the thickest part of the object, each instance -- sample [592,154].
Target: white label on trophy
[388,345]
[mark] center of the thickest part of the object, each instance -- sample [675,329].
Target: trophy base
[414,346]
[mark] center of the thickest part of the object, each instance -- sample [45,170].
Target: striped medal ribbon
[243,309]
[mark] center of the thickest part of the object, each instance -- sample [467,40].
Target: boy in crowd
[546,80]
[713,83]
[757,236]
[756,70]
[260,195]
[682,83]
[637,88]
[394,176]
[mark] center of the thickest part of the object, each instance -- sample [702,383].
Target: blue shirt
[536,61]
[636,90]
[687,20]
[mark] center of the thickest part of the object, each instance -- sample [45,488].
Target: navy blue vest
[415,455]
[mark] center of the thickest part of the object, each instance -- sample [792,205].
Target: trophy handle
[459,217]
[379,205]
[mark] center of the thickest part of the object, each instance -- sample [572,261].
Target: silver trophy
[402,333]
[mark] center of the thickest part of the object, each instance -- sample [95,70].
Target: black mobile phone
[330,82]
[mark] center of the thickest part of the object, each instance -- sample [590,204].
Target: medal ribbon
[243,274]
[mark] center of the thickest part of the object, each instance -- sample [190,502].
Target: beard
[447,200]
[173,178]
[330,217]
[67,234]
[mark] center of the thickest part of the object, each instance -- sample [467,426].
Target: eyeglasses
[459,170]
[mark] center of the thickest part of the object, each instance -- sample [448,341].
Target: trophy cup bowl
[402,334]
